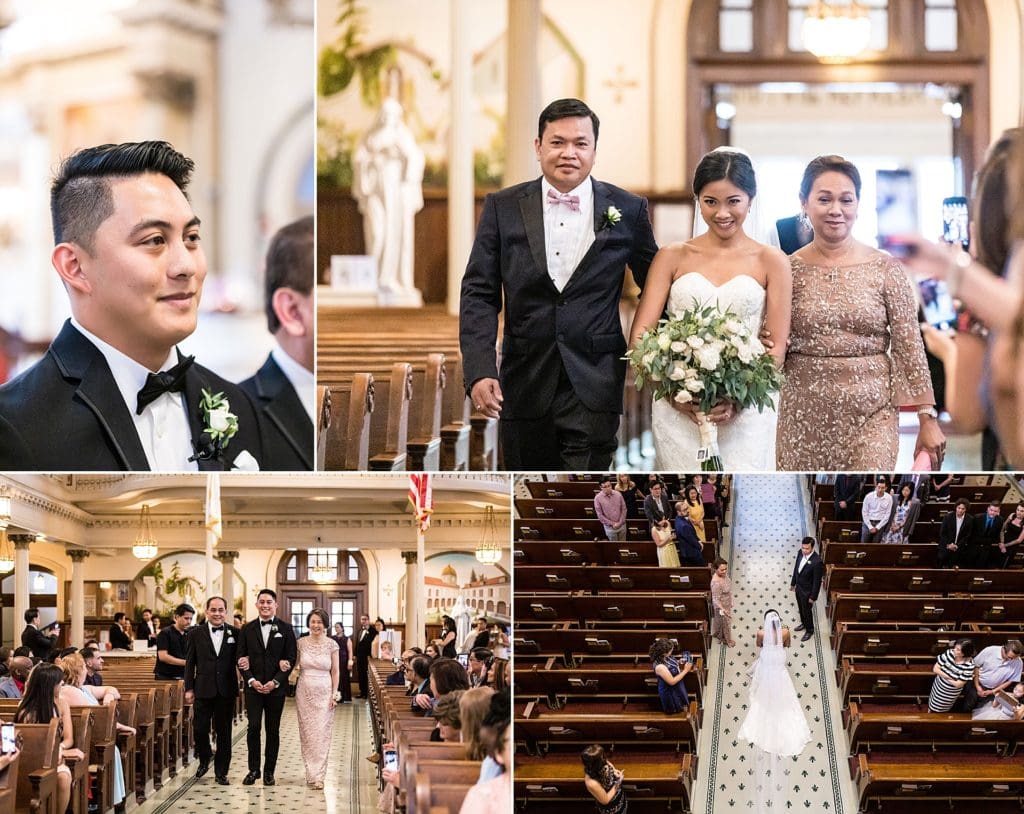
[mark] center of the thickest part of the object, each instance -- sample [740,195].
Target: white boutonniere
[611,217]
[219,427]
[273,629]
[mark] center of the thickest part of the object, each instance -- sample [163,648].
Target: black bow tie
[268,622]
[217,629]
[167,381]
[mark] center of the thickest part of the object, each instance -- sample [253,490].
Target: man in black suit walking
[363,647]
[112,386]
[987,528]
[211,685]
[34,639]
[806,583]
[266,655]
[284,390]
[553,252]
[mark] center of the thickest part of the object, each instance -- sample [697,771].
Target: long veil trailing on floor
[775,724]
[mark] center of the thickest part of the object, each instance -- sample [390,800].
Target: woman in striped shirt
[953,669]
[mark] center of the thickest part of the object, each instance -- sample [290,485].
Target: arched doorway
[329,578]
[42,594]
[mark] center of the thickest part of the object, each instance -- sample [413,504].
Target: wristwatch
[929,411]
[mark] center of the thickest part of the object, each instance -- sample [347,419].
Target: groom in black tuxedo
[211,682]
[266,655]
[806,583]
[112,391]
[553,253]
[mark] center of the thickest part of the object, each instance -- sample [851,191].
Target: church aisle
[350,787]
[767,523]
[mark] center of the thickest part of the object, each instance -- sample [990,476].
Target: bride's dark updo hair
[727,165]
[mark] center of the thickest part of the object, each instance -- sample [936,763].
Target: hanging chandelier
[836,33]
[488,551]
[319,563]
[144,547]
[6,552]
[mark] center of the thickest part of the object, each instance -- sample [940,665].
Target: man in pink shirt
[611,511]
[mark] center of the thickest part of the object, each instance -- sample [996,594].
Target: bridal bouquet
[703,356]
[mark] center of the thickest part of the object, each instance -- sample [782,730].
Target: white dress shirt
[265,630]
[876,510]
[567,234]
[217,637]
[959,525]
[300,378]
[803,562]
[163,426]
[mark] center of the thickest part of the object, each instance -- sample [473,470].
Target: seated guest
[492,796]
[995,669]
[418,675]
[446,675]
[953,671]
[431,651]
[479,663]
[875,513]
[905,510]
[39,705]
[145,630]
[34,639]
[6,654]
[1010,537]
[1005,706]
[13,685]
[499,674]
[93,666]
[473,708]
[397,678]
[448,717]
[119,640]
[23,651]
[67,651]
[670,675]
[171,645]
[688,545]
[284,390]
[955,535]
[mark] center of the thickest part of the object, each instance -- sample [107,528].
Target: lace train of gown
[747,443]
[313,695]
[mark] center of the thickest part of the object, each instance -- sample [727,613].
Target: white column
[524,103]
[460,152]
[227,580]
[21,544]
[412,638]
[149,592]
[77,636]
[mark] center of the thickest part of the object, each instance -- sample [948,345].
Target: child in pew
[953,669]
[603,781]
[670,676]
[473,708]
[1005,706]
[40,703]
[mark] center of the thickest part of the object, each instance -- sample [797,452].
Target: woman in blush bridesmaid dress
[316,695]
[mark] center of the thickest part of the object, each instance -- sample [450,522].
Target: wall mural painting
[457,584]
[179,577]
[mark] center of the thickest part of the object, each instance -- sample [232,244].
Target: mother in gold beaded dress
[316,695]
[856,354]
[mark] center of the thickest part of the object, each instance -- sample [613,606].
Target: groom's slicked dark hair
[808,541]
[566,109]
[80,197]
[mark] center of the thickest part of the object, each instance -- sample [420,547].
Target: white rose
[733,326]
[648,359]
[745,356]
[709,357]
[682,397]
[679,347]
[695,342]
[655,377]
[678,372]
[694,385]
[738,342]
[664,341]
[218,420]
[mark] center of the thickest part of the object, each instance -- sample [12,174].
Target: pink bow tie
[571,201]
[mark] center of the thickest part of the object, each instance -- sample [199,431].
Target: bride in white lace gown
[750,278]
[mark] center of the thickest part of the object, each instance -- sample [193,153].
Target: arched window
[330,578]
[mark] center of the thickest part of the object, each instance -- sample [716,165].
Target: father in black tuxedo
[113,387]
[211,685]
[284,390]
[554,250]
[266,654]
[806,583]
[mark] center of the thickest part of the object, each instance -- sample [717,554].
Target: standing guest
[721,603]
[284,389]
[316,695]
[603,781]
[93,666]
[953,671]
[995,669]
[940,487]
[718,482]
[363,649]
[447,641]
[688,544]
[211,685]
[670,675]
[658,511]
[875,514]
[239,620]
[345,661]
[13,685]
[1011,536]
[171,645]
[708,496]
[33,638]
[697,511]
[847,493]
[610,508]
[266,654]
[955,535]
[144,630]
[625,486]
[724,495]
[483,633]
[119,640]
[905,511]
[805,583]
[988,529]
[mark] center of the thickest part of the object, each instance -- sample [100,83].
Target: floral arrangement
[701,357]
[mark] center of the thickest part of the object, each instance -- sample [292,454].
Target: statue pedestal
[341,297]
[406,298]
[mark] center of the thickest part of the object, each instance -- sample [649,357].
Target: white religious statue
[460,613]
[387,182]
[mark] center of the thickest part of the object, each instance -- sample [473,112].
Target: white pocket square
[244,462]
[278,636]
[231,641]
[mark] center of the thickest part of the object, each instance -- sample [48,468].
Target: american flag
[422,498]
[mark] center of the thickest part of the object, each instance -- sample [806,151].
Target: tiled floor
[766,527]
[350,788]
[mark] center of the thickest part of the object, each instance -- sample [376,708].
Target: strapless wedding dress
[747,442]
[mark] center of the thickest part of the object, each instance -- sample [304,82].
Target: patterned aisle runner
[768,521]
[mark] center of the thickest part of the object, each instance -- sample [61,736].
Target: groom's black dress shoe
[222,780]
[268,780]
[798,628]
[204,767]
[250,778]
[808,635]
